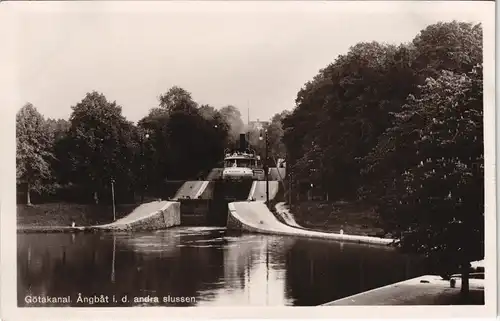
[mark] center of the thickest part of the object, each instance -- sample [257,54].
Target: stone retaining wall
[167,216]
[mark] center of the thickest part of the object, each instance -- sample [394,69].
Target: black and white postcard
[173,159]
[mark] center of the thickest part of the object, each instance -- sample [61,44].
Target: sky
[254,55]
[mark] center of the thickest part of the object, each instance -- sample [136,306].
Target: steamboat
[242,163]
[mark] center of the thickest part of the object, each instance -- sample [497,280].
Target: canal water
[201,267]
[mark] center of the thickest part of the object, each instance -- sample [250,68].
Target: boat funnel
[243,142]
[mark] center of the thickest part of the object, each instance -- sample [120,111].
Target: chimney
[243,143]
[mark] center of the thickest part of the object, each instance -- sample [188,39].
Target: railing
[279,174]
[259,174]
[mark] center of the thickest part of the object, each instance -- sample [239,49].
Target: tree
[275,133]
[184,143]
[454,46]
[57,128]
[437,199]
[156,149]
[60,165]
[232,116]
[208,112]
[102,144]
[177,99]
[196,144]
[427,171]
[33,154]
[340,114]
[401,126]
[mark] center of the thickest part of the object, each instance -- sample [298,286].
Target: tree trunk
[28,196]
[464,290]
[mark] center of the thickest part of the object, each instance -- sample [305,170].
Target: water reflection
[321,271]
[215,267]
[253,273]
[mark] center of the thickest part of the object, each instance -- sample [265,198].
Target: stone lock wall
[167,216]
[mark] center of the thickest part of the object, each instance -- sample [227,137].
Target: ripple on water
[217,239]
[197,246]
[200,229]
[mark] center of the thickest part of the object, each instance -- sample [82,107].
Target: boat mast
[248,123]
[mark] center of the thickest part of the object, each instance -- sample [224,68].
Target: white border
[8,74]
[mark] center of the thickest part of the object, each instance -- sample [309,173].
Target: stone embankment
[150,216]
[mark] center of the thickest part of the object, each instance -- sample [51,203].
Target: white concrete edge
[351,297]
[282,207]
[202,189]
[252,191]
[473,283]
[311,234]
[382,240]
[231,207]
[235,214]
[477,264]
[176,196]
[275,192]
[169,203]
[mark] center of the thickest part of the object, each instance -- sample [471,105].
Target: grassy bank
[63,214]
[352,218]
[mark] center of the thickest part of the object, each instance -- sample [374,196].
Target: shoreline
[54,229]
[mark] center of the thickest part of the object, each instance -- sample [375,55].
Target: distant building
[255,125]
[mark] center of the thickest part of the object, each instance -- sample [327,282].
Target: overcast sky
[240,53]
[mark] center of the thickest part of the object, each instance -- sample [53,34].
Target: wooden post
[464,290]
[113,198]
[267,172]
[143,187]
[289,189]
[28,196]
[267,272]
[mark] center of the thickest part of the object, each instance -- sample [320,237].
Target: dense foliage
[33,150]
[401,127]
[79,158]
[184,141]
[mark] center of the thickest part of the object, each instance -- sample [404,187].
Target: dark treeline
[400,127]
[75,160]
